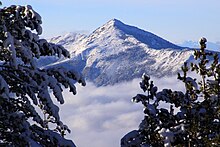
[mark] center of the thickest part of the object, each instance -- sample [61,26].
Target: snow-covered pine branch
[23,84]
[196,121]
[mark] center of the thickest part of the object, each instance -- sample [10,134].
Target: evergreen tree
[24,86]
[196,120]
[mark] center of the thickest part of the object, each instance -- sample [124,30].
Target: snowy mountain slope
[67,39]
[116,52]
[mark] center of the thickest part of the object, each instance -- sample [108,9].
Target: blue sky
[174,20]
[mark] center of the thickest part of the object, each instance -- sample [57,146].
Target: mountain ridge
[68,38]
[152,40]
[212,46]
[114,53]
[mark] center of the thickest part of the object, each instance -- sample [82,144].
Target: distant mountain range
[194,44]
[116,52]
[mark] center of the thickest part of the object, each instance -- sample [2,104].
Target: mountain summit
[117,52]
[150,39]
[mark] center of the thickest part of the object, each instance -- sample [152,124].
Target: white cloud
[100,117]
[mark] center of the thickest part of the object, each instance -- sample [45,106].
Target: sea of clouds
[101,116]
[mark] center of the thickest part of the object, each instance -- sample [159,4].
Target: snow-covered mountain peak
[120,30]
[114,22]
[117,52]
[111,27]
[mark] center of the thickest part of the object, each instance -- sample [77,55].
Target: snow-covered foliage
[23,84]
[116,52]
[192,118]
